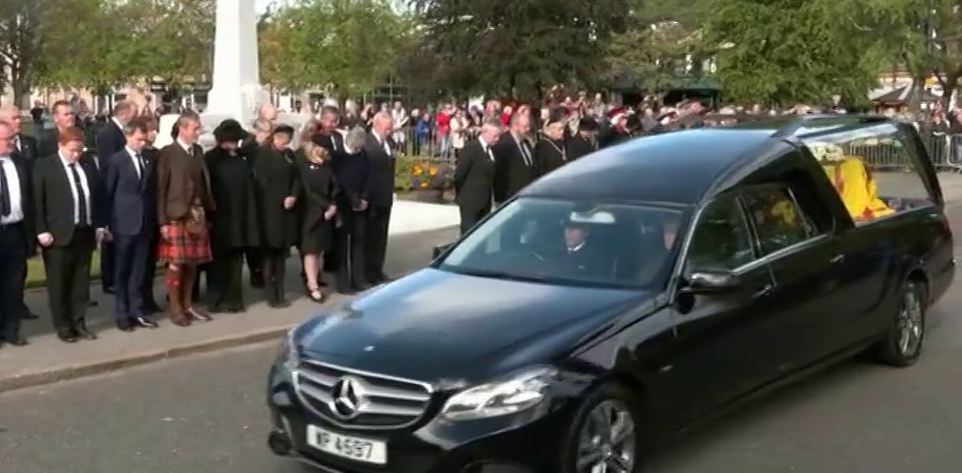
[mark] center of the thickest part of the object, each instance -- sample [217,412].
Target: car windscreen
[571,242]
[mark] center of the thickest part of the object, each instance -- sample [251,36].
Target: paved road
[206,414]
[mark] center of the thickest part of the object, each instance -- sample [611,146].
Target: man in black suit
[69,222]
[380,157]
[63,118]
[513,160]
[585,141]
[352,172]
[110,141]
[16,236]
[474,176]
[25,148]
[130,214]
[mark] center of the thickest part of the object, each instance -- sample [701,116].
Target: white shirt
[73,190]
[383,143]
[13,184]
[525,152]
[138,162]
[188,148]
[487,148]
[117,122]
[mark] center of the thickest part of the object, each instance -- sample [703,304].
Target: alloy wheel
[911,324]
[606,443]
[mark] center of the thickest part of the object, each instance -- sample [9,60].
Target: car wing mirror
[705,281]
[440,249]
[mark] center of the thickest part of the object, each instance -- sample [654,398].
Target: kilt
[184,247]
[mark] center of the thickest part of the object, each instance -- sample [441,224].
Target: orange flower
[432,171]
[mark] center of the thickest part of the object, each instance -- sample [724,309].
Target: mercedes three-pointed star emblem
[347,397]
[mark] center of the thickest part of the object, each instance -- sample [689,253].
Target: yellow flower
[432,171]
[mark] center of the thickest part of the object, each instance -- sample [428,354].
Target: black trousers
[378,220]
[107,265]
[68,281]
[274,263]
[350,240]
[255,265]
[150,272]
[131,253]
[13,268]
[471,216]
[227,269]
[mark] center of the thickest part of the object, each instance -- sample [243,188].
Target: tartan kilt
[184,247]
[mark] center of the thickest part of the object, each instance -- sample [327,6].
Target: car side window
[721,238]
[779,221]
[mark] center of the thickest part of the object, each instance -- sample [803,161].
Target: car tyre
[605,431]
[902,344]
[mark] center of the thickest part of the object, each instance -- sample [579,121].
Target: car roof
[680,167]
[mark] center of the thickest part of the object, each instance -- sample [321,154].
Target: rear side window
[721,238]
[873,169]
[779,221]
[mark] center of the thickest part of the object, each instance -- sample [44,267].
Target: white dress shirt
[137,160]
[13,183]
[384,144]
[73,190]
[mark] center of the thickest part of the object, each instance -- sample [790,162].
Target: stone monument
[236,90]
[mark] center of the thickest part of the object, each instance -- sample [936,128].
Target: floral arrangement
[426,175]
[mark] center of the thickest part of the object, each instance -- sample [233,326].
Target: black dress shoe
[30,316]
[86,335]
[108,290]
[67,338]
[92,303]
[143,322]
[125,327]
[16,341]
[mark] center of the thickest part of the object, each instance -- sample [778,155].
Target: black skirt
[317,237]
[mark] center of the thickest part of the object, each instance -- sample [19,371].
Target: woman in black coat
[317,209]
[550,153]
[235,224]
[278,185]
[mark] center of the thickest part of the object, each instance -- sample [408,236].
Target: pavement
[48,360]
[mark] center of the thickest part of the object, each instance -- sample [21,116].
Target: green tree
[348,46]
[516,47]
[35,36]
[784,51]
[661,36]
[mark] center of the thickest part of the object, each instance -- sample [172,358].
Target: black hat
[587,124]
[229,130]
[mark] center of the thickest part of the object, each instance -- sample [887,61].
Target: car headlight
[512,394]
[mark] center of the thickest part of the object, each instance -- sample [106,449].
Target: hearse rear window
[873,171]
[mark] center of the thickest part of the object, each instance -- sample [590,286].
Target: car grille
[374,401]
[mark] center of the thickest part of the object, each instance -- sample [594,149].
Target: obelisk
[236,90]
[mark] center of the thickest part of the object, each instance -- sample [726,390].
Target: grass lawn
[37,277]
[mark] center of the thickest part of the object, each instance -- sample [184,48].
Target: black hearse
[627,294]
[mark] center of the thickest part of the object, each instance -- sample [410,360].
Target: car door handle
[764,291]
[837,259]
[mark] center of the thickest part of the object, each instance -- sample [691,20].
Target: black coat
[277,178]
[579,147]
[236,222]
[474,177]
[352,172]
[29,149]
[110,141]
[47,143]
[318,189]
[53,201]
[549,155]
[26,201]
[380,184]
[511,172]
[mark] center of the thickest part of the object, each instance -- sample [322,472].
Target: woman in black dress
[317,207]
[278,186]
[235,224]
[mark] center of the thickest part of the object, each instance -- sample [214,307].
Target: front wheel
[604,436]
[902,344]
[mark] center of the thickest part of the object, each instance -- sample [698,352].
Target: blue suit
[131,210]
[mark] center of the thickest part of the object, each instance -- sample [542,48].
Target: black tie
[140,165]
[6,208]
[81,197]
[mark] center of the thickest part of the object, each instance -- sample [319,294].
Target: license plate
[347,446]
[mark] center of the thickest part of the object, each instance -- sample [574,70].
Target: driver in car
[580,257]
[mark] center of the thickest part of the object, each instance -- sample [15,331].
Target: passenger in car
[854,183]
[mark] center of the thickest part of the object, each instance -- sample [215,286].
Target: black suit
[110,141]
[150,270]
[514,167]
[67,260]
[47,143]
[380,190]
[474,183]
[16,245]
[131,216]
[579,147]
[352,172]
[28,149]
